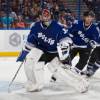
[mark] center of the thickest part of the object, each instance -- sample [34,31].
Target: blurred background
[19,14]
[16,17]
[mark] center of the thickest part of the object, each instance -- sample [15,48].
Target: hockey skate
[90,71]
[87,73]
[33,87]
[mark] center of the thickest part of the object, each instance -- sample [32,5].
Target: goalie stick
[14,76]
[90,55]
[97,45]
[77,70]
[84,72]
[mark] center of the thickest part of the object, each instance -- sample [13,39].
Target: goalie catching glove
[63,48]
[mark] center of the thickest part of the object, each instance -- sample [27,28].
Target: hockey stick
[76,69]
[90,51]
[90,55]
[14,76]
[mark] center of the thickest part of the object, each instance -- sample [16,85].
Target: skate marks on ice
[4,86]
[95,82]
[55,91]
[62,92]
[38,96]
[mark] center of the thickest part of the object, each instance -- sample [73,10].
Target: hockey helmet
[46,17]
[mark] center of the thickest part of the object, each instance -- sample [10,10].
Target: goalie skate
[33,87]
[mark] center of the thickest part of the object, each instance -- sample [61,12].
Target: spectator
[0,4]
[34,13]
[55,11]
[6,20]
[1,26]
[30,10]
[13,15]
[15,6]
[94,5]
[19,23]
[27,15]
[61,4]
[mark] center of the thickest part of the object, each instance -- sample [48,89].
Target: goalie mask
[46,17]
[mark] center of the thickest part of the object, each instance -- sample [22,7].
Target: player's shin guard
[72,79]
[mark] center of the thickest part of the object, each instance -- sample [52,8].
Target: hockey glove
[63,48]
[22,56]
[92,44]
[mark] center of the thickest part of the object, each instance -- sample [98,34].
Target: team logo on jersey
[71,35]
[46,39]
[86,40]
[65,30]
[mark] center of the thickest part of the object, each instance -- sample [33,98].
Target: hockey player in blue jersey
[84,34]
[40,49]
[94,62]
[44,35]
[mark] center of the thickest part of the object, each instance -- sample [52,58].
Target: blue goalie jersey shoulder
[46,38]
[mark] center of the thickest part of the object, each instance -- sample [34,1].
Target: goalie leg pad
[72,79]
[38,76]
[33,69]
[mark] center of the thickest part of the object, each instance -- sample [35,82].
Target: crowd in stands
[94,5]
[21,14]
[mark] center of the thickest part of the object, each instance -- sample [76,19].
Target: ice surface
[55,91]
